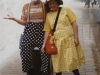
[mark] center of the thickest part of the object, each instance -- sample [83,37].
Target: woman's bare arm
[45,40]
[75,29]
[19,21]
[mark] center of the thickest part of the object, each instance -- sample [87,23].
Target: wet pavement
[89,35]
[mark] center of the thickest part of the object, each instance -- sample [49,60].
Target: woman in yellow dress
[70,55]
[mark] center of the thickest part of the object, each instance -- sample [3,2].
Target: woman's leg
[60,73]
[30,72]
[76,72]
[36,62]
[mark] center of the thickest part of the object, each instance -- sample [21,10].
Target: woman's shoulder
[66,8]
[26,5]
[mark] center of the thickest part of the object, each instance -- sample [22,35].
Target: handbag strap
[55,24]
[29,12]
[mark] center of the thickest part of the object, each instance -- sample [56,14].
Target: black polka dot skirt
[33,37]
[45,67]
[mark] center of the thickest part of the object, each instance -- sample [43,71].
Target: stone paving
[89,34]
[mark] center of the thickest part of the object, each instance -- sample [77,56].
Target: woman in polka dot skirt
[34,62]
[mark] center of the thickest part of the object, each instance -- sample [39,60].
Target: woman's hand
[76,41]
[19,21]
[43,48]
[45,38]
[9,17]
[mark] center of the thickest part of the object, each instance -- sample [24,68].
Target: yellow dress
[69,57]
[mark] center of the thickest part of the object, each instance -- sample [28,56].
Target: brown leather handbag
[50,47]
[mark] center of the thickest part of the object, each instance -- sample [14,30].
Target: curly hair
[47,9]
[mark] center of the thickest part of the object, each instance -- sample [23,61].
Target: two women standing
[35,61]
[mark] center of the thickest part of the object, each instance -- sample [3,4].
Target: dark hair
[47,9]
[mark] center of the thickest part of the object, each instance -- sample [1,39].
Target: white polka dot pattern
[33,37]
[45,58]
